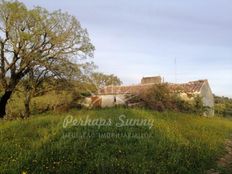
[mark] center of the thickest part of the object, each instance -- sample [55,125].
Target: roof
[190,87]
[132,89]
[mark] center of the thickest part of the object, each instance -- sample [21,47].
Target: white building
[118,95]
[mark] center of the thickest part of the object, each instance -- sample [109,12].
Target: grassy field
[176,143]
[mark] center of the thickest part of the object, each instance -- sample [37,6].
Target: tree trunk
[3,102]
[27,104]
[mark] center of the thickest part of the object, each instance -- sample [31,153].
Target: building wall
[147,80]
[104,101]
[93,101]
[120,99]
[207,98]
[112,100]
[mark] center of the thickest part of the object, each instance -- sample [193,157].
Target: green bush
[57,101]
[223,106]
[161,98]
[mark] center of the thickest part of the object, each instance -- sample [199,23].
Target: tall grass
[177,143]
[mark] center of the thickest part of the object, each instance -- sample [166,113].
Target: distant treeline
[223,106]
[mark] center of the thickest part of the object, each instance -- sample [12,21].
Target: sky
[177,39]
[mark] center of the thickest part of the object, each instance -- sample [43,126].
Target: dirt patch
[224,162]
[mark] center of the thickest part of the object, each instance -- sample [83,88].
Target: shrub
[223,106]
[157,97]
[160,98]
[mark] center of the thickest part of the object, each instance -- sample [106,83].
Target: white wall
[108,100]
[207,96]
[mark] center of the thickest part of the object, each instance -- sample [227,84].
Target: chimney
[153,80]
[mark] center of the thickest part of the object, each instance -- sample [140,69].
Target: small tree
[33,83]
[101,80]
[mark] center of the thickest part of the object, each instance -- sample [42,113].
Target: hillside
[176,143]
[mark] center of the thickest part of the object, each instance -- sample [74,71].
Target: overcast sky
[144,37]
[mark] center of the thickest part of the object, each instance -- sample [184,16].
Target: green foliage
[101,80]
[161,98]
[1,93]
[223,106]
[60,100]
[35,41]
[178,143]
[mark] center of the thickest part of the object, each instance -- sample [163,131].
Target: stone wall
[147,80]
